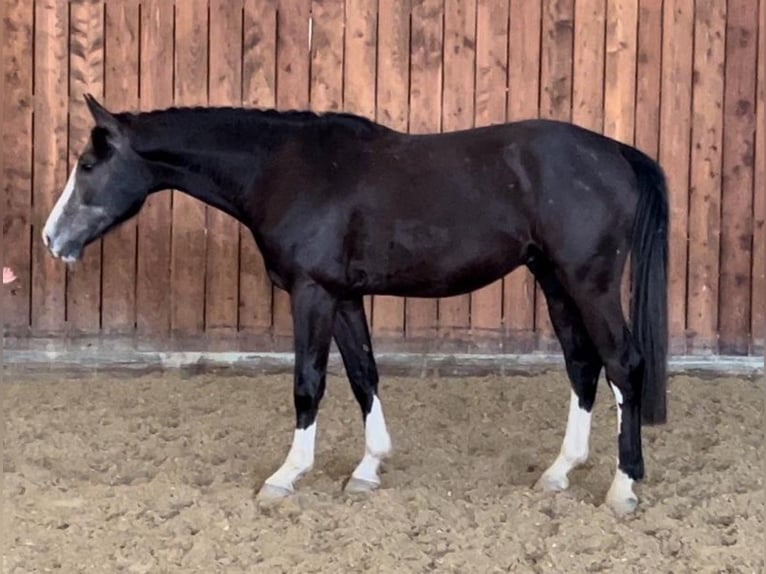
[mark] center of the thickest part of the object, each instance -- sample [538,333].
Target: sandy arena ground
[158,474]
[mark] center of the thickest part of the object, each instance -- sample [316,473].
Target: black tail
[649,305]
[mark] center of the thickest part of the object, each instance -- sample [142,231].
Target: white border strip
[460,363]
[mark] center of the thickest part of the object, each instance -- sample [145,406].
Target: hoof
[552,483]
[272,492]
[620,497]
[356,485]
[622,505]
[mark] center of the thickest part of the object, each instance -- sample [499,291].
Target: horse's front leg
[353,339]
[313,310]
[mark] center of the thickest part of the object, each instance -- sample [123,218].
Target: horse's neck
[216,178]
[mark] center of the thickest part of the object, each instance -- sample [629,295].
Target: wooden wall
[680,79]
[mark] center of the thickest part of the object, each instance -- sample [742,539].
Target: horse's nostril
[46,239]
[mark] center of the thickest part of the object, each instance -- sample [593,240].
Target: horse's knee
[583,375]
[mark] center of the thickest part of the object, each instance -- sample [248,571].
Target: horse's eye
[86,166]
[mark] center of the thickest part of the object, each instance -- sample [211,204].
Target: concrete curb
[411,364]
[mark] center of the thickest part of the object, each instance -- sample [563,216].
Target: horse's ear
[103,117]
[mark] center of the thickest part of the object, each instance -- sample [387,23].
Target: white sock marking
[574,448]
[618,399]
[377,444]
[299,460]
[49,231]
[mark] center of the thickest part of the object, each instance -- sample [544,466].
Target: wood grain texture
[292,93]
[705,174]
[648,73]
[326,87]
[86,67]
[392,111]
[121,45]
[421,315]
[259,81]
[359,63]
[758,287]
[49,160]
[620,88]
[458,114]
[523,103]
[16,185]
[490,108]
[222,277]
[588,74]
[153,261]
[681,79]
[359,69]
[188,249]
[738,167]
[620,72]
[675,123]
[555,103]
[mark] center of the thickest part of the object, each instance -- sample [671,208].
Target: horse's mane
[180,116]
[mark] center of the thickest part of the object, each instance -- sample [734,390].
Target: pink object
[8,275]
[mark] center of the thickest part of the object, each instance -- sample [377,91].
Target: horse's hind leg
[602,314]
[583,366]
[353,339]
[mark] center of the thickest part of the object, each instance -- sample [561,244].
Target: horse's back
[441,214]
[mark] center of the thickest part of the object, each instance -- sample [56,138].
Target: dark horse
[341,207]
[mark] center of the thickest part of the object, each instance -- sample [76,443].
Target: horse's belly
[442,270]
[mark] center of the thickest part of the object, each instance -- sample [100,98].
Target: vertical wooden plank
[491,104]
[675,124]
[523,103]
[647,124]
[458,114]
[555,103]
[222,277]
[118,292]
[359,68]
[421,315]
[189,215]
[648,74]
[153,287]
[292,93]
[49,159]
[620,73]
[17,161]
[258,90]
[327,55]
[738,164]
[705,178]
[588,71]
[758,288]
[620,88]
[392,110]
[556,59]
[5,200]
[86,68]
[359,64]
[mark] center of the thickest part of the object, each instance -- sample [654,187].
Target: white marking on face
[574,448]
[377,444]
[299,460]
[51,225]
